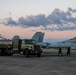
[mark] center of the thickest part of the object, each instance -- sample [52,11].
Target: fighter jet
[38,37]
[67,43]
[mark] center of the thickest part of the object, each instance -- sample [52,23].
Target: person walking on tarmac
[68,52]
[60,52]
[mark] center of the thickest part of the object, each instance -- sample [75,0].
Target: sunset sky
[56,18]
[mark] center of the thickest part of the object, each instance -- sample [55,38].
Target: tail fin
[38,37]
[16,37]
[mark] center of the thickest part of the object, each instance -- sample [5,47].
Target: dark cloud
[33,20]
[72,10]
[10,21]
[57,20]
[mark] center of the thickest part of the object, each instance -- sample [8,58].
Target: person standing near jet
[60,52]
[68,52]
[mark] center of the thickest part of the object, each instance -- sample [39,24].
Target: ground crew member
[68,52]
[60,52]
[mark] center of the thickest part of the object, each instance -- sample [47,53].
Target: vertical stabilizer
[16,37]
[38,37]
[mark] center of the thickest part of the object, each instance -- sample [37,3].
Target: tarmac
[48,64]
